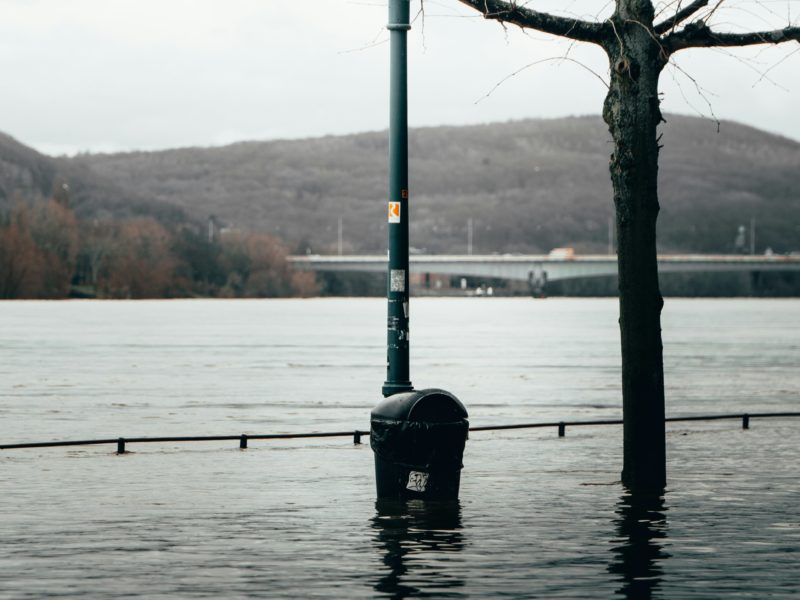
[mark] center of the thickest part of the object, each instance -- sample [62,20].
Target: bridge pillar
[537,281]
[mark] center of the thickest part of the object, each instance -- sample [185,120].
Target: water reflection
[414,538]
[640,524]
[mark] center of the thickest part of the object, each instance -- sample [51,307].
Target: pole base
[396,387]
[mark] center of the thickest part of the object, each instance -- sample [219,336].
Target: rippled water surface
[539,516]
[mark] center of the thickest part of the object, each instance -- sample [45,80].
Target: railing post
[746,421]
[356,437]
[243,441]
[561,429]
[120,445]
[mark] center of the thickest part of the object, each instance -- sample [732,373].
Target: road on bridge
[543,268]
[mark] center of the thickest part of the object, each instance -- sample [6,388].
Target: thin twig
[750,64]
[537,62]
[700,91]
[712,11]
[764,74]
[655,38]
[421,14]
[619,39]
[375,42]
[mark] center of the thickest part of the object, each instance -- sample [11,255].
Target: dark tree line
[46,252]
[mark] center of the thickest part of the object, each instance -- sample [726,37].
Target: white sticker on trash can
[417,481]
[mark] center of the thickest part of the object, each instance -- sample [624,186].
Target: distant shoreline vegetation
[46,252]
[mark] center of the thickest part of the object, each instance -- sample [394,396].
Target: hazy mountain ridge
[26,174]
[23,170]
[528,186]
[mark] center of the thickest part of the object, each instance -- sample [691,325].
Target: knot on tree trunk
[627,66]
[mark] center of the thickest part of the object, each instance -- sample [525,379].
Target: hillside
[28,175]
[529,186]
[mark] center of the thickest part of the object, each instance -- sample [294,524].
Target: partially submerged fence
[356,434]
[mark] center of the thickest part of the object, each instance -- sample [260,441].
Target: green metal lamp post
[397,368]
[417,436]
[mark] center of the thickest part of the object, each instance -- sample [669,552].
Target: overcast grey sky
[107,75]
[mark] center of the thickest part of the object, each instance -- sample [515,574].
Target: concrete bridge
[539,269]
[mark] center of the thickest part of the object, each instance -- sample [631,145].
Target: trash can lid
[432,405]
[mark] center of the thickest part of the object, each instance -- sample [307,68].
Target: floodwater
[539,516]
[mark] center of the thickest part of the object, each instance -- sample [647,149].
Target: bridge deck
[545,267]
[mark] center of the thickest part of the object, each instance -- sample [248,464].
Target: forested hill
[27,175]
[528,185]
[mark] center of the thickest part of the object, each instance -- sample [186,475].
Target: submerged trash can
[418,439]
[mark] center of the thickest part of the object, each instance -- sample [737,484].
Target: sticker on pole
[397,280]
[417,481]
[394,212]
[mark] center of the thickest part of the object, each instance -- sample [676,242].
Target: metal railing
[243,439]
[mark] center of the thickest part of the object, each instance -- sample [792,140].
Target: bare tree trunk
[632,113]
[638,50]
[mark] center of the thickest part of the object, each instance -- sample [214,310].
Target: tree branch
[509,12]
[679,17]
[699,35]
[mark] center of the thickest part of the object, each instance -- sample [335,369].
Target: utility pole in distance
[397,367]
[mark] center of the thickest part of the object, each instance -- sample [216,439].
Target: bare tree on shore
[639,45]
